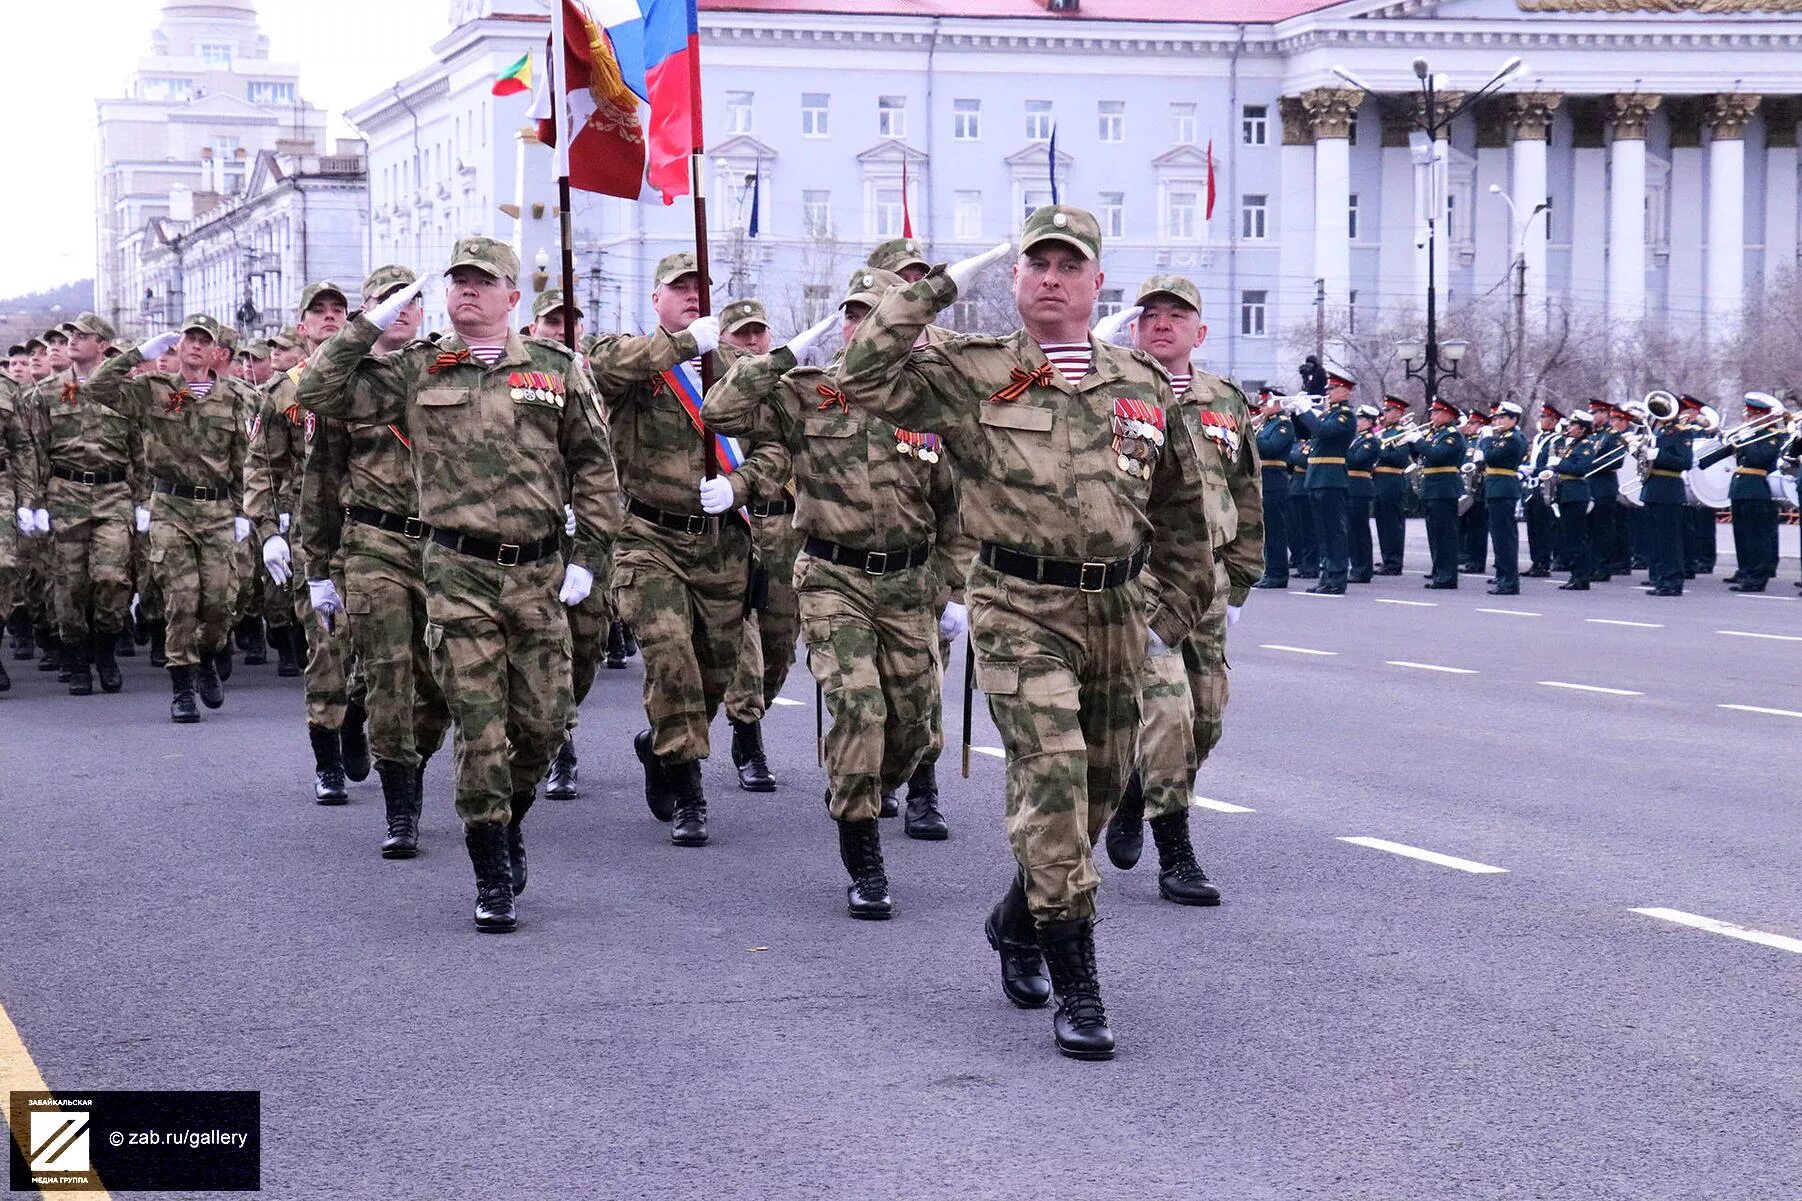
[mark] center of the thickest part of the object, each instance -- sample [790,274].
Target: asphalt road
[1353,1022]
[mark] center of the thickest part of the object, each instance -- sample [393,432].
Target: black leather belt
[1092,576]
[507,554]
[682,523]
[188,491]
[772,508]
[870,562]
[410,527]
[93,478]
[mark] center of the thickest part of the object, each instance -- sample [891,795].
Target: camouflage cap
[93,323]
[868,285]
[203,323]
[898,254]
[33,343]
[740,313]
[258,350]
[384,280]
[549,301]
[324,287]
[226,337]
[17,348]
[672,267]
[1174,286]
[1074,227]
[286,340]
[55,331]
[485,254]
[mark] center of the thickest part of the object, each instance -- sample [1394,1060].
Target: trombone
[1773,423]
[1408,432]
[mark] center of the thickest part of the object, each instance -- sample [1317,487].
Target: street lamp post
[1517,267]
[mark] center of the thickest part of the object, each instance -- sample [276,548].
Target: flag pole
[698,189]
[565,136]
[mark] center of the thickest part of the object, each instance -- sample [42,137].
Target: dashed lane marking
[1715,926]
[1384,600]
[1397,848]
[1455,671]
[1753,634]
[1202,802]
[782,700]
[993,752]
[1764,596]
[1327,595]
[1293,650]
[1589,688]
[1761,709]
[1639,625]
[1512,612]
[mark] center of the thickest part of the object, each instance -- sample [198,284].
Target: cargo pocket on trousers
[816,633]
[1036,711]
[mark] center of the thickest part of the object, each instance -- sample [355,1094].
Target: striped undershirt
[200,387]
[487,352]
[1072,359]
[1179,383]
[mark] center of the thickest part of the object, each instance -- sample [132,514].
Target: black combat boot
[631,637]
[747,755]
[860,850]
[50,657]
[287,654]
[616,645]
[23,647]
[254,646]
[689,825]
[125,644]
[658,793]
[353,735]
[206,682]
[181,709]
[1180,878]
[106,662]
[76,661]
[891,802]
[516,841]
[924,821]
[1081,1023]
[328,766]
[399,799]
[1011,931]
[560,781]
[159,655]
[1125,836]
[6,681]
[222,662]
[487,845]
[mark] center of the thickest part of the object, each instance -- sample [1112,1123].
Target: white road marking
[782,700]
[1763,596]
[1590,688]
[1716,926]
[1293,650]
[993,752]
[1328,595]
[1456,671]
[1384,600]
[1759,709]
[1751,634]
[1397,848]
[1512,612]
[1641,625]
[1202,802]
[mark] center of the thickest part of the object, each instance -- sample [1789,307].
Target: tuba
[1659,406]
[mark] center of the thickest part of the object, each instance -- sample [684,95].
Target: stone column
[1529,124]
[1627,116]
[1331,112]
[1726,279]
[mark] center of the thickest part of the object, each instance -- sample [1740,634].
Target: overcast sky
[63,57]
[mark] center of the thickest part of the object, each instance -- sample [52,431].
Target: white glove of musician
[281,522]
[324,597]
[716,495]
[578,582]
[1232,615]
[157,347]
[706,333]
[964,271]
[240,528]
[953,622]
[569,521]
[40,521]
[141,516]
[1155,647]
[798,344]
[24,517]
[277,558]
[388,312]
[1108,328]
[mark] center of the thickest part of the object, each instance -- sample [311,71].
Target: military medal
[1138,435]
[924,447]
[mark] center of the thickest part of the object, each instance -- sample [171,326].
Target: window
[1182,124]
[1113,120]
[967,216]
[888,212]
[817,300]
[1182,213]
[1253,215]
[891,116]
[1033,199]
[1113,214]
[963,315]
[816,214]
[1111,301]
[966,120]
[1549,210]
[168,89]
[1351,131]
[215,54]
[1351,313]
[1038,120]
[1451,218]
[1254,125]
[271,93]
[1351,228]
[738,112]
[1251,313]
[814,114]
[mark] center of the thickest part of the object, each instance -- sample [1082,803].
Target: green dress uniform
[1441,453]
[1502,455]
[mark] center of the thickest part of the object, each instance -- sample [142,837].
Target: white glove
[142,516]
[1108,327]
[953,622]
[578,582]
[281,522]
[388,312]
[40,520]
[324,596]
[716,495]
[798,344]
[240,528]
[569,521]
[964,271]
[1232,615]
[157,347]
[24,516]
[1154,646]
[706,332]
[278,559]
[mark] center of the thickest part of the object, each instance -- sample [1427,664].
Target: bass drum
[1709,485]
[1783,489]
[1630,484]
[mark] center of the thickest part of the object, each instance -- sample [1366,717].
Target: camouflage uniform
[18,486]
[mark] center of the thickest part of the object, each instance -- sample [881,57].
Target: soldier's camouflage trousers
[768,649]
[90,527]
[1061,670]
[872,643]
[1180,709]
[684,594]
[384,599]
[499,642]
[191,558]
[150,596]
[588,626]
[36,570]
[9,568]
[332,675]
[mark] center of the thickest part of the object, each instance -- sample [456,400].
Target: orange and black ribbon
[69,391]
[833,397]
[292,413]
[177,398]
[1022,381]
[401,434]
[446,360]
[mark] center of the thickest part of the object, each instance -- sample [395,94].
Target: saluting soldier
[49,359]
[1329,434]
[503,428]
[1391,485]
[1543,537]
[1664,497]
[1573,499]
[19,488]
[1503,449]
[1276,439]
[1441,453]
[1070,484]
[1360,472]
[1610,451]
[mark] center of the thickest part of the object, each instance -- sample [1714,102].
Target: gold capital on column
[1729,114]
[1530,115]
[1331,110]
[1629,114]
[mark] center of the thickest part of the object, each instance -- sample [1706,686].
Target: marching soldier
[1542,525]
[1610,451]
[1276,438]
[1330,435]
[19,487]
[1698,518]
[503,430]
[1360,471]
[1391,485]
[1502,449]
[1441,453]
[1183,698]
[1626,516]
[1749,497]
[1069,483]
[1573,499]
[1664,497]
[904,256]
[1473,522]
[1304,532]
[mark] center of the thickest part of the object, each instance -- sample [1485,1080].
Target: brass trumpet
[1408,432]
